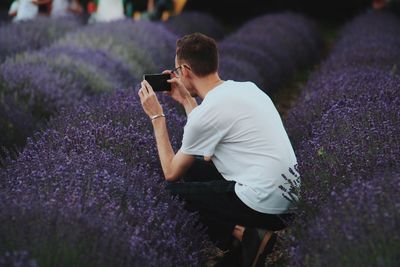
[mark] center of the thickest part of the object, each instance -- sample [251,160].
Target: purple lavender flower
[354,137]
[96,170]
[34,87]
[323,91]
[356,227]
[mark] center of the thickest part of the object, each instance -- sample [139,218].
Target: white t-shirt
[238,125]
[109,10]
[26,10]
[59,8]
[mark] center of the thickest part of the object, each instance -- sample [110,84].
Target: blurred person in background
[155,9]
[12,12]
[26,9]
[61,8]
[251,187]
[158,7]
[75,7]
[108,10]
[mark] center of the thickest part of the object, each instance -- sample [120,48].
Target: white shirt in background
[59,8]
[26,10]
[109,10]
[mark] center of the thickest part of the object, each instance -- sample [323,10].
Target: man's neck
[206,84]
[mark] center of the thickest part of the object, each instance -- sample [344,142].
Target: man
[25,9]
[108,10]
[238,128]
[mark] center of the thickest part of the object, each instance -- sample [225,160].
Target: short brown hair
[200,52]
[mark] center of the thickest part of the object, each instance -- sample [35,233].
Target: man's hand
[180,94]
[149,100]
[178,90]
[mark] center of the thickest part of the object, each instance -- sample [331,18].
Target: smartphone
[158,81]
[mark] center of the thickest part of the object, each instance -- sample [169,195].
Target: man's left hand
[149,100]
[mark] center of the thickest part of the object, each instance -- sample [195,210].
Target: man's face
[185,77]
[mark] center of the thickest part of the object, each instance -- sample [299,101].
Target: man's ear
[185,72]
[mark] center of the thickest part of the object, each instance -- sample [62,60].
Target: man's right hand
[180,93]
[178,90]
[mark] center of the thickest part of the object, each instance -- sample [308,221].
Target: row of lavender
[88,190]
[270,49]
[346,130]
[94,59]
[43,31]
[33,35]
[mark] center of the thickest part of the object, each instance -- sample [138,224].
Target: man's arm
[173,165]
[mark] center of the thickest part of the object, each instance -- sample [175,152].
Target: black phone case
[158,81]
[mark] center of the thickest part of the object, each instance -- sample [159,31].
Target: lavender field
[80,179]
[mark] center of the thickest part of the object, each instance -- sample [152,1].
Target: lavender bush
[114,71]
[346,129]
[356,227]
[354,137]
[278,44]
[96,170]
[326,89]
[31,93]
[296,33]
[190,22]
[107,37]
[267,45]
[36,85]
[144,46]
[150,38]
[371,39]
[233,69]
[271,72]
[33,35]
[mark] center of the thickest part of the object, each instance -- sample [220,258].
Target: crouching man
[237,128]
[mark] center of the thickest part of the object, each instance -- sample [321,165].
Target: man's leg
[209,199]
[222,212]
